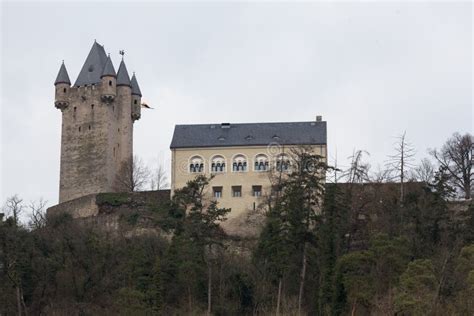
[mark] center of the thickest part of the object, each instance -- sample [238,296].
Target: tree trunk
[353,310]
[209,290]
[279,298]
[18,300]
[190,303]
[302,278]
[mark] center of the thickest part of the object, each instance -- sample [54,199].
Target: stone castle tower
[98,113]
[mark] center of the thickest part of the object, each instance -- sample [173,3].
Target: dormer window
[261,163]
[239,163]
[196,164]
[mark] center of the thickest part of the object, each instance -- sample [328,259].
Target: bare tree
[358,170]
[14,207]
[380,175]
[402,161]
[456,157]
[159,179]
[133,176]
[424,172]
[37,214]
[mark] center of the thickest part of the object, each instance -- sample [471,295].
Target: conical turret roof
[62,77]
[135,86]
[93,66]
[122,75]
[109,69]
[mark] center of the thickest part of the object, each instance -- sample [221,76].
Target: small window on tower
[79,128]
[110,82]
[92,106]
[64,90]
[89,127]
[75,108]
[135,102]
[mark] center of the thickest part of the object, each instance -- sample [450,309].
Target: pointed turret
[93,66]
[123,79]
[62,77]
[135,86]
[109,69]
[136,99]
[62,84]
[109,81]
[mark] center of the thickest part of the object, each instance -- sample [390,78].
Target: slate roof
[62,77]
[93,66]
[249,134]
[109,69]
[122,75]
[135,86]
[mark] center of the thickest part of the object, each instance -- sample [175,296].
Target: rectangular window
[257,190]
[217,192]
[237,191]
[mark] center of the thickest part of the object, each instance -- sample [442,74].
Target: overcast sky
[372,70]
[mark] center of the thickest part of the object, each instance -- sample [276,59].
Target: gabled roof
[93,66]
[122,75]
[135,86]
[109,69]
[62,77]
[249,134]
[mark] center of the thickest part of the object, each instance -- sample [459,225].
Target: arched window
[283,163]
[239,163]
[261,163]
[196,164]
[217,164]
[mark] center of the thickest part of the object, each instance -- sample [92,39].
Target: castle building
[98,113]
[240,157]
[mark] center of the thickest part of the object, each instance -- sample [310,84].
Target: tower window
[79,128]
[64,90]
[110,82]
[236,191]
[114,151]
[89,127]
[75,108]
[92,106]
[135,102]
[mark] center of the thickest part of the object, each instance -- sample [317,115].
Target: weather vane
[122,52]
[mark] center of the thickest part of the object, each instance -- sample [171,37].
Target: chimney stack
[319,118]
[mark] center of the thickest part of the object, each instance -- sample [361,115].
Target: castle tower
[97,127]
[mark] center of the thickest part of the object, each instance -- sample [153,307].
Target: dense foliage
[338,249]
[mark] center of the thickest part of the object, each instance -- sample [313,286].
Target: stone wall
[96,139]
[129,214]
